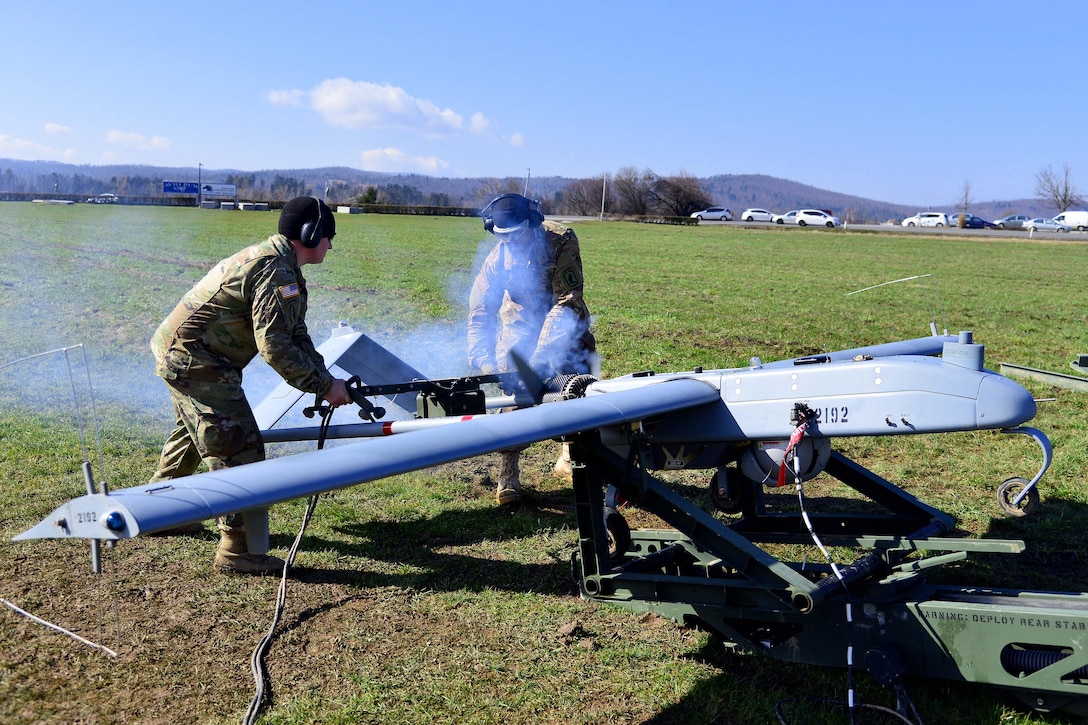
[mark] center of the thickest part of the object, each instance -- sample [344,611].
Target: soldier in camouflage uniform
[253,302]
[527,300]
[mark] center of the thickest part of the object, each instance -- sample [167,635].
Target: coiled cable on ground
[256,660]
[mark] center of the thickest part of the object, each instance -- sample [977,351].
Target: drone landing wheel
[619,534]
[728,497]
[1010,489]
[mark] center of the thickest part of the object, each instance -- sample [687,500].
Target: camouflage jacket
[254,301]
[527,297]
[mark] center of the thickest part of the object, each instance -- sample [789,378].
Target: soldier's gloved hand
[338,394]
[509,384]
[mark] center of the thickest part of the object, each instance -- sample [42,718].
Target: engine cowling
[762,459]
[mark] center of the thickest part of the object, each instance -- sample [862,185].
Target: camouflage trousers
[214,424]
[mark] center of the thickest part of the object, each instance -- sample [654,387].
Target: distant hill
[736,191]
[739,192]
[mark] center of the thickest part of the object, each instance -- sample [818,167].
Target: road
[946,231]
[898,229]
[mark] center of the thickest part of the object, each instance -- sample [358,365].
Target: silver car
[1012,221]
[789,217]
[1045,225]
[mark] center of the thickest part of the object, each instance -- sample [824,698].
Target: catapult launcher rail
[721,577]
[752,429]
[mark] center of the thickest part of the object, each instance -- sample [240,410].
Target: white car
[817,218]
[755,215]
[715,212]
[926,219]
[1045,225]
[789,217]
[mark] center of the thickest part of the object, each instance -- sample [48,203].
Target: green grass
[416,600]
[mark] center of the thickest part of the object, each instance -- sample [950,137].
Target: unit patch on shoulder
[289,290]
[568,273]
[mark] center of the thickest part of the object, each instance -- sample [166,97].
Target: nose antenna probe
[925,292]
[88,472]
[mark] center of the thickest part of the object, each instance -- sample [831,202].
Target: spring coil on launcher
[1028,661]
[567,387]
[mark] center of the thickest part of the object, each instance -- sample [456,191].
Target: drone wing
[129,512]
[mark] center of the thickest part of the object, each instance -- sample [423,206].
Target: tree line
[628,192]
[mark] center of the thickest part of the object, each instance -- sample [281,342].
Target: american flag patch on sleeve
[289,290]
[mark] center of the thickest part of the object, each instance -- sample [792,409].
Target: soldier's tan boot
[562,465]
[509,490]
[232,556]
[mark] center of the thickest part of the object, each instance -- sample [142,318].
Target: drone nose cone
[1003,403]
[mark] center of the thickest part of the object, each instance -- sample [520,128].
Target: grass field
[415,600]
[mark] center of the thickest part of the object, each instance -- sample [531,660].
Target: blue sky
[903,102]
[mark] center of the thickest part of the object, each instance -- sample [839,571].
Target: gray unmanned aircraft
[755,428]
[717,419]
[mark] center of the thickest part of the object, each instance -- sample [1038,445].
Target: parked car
[103,199]
[1012,221]
[715,212]
[1074,220]
[756,215]
[789,217]
[818,218]
[926,219]
[1045,225]
[972,222]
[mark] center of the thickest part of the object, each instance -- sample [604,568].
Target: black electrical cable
[256,660]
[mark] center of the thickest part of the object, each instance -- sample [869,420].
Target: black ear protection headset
[532,212]
[310,236]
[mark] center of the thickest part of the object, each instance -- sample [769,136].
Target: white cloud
[56,128]
[358,104]
[479,123]
[345,103]
[516,140]
[390,159]
[137,141]
[20,148]
[286,98]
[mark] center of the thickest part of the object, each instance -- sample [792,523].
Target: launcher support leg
[1032,644]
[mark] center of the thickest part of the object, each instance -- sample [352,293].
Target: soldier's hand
[338,394]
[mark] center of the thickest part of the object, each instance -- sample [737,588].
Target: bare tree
[963,203]
[583,196]
[965,196]
[678,195]
[490,188]
[632,189]
[1057,189]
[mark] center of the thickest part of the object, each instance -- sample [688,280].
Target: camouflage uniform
[527,298]
[254,301]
